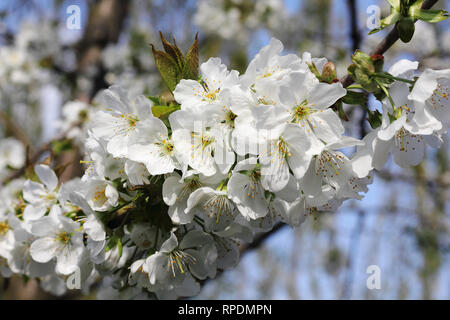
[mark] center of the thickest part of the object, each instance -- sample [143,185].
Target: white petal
[44,249]
[325,95]
[34,212]
[47,176]
[170,244]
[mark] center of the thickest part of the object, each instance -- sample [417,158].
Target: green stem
[386,93]
[380,75]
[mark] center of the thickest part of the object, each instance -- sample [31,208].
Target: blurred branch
[356,44]
[354,31]
[105,23]
[386,43]
[13,129]
[346,292]
[442,181]
[37,155]
[261,238]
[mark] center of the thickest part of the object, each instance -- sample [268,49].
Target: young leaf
[355,98]
[155,100]
[374,118]
[431,16]
[168,68]
[162,111]
[190,70]
[173,51]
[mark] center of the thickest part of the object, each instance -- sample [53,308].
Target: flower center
[218,205]
[208,93]
[178,260]
[128,123]
[4,227]
[229,117]
[440,97]
[329,161]
[100,196]
[254,187]
[265,101]
[166,147]
[63,237]
[205,141]
[283,148]
[301,112]
[403,138]
[191,185]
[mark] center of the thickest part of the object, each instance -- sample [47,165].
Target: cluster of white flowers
[166,202]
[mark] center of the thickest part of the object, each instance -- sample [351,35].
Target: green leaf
[375,118]
[375,30]
[354,97]
[385,78]
[395,4]
[59,146]
[340,109]
[431,16]
[119,246]
[155,100]
[190,70]
[111,243]
[168,68]
[173,51]
[163,111]
[389,20]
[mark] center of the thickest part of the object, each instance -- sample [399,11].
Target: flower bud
[363,61]
[406,29]
[378,62]
[329,72]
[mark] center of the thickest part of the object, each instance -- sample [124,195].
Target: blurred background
[402,225]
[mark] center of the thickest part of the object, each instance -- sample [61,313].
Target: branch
[355,35]
[386,43]
[16,131]
[261,238]
[37,155]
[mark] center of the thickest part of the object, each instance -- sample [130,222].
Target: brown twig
[14,129]
[37,155]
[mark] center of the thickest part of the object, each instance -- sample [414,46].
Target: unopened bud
[363,62]
[329,72]
[406,29]
[378,62]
